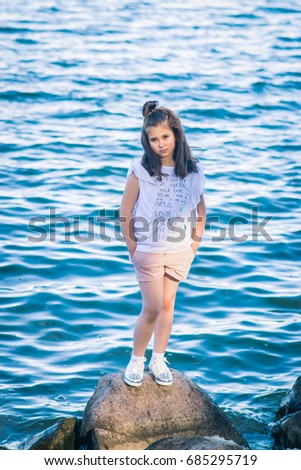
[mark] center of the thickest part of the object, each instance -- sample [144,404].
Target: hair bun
[149,106]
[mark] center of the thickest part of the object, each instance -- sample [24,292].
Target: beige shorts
[153,266]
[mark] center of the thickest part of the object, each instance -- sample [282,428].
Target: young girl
[162,218]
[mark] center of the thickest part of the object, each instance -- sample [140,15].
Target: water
[74,76]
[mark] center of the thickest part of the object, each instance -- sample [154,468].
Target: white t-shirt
[165,212]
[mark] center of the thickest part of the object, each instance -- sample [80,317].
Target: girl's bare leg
[165,319]
[152,301]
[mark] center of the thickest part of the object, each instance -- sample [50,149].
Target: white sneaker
[162,374]
[134,372]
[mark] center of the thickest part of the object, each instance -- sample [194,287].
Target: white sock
[138,358]
[159,355]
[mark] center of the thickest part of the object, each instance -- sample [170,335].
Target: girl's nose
[160,143]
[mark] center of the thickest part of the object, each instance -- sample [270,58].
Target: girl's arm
[128,202]
[198,231]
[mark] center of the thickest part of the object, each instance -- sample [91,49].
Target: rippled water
[74,76]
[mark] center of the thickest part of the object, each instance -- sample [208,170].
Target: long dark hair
[184,161]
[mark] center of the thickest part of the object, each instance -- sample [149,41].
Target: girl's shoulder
[200,173]
[198,181]
[200,167]
[141,173]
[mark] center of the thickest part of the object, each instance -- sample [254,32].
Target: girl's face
[162,141]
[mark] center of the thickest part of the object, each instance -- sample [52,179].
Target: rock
[195,443]
[287,431]
[60,436]
[122,417]
[291,401]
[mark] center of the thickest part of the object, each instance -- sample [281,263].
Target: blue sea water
[74,76]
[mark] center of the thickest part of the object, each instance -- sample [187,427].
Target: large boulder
[195,443]
[122,417]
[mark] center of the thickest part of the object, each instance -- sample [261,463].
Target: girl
[162,218]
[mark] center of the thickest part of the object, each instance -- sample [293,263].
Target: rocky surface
[195,443]
[118,416]
[287,430]
[60,436]
[291,402]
